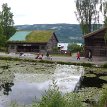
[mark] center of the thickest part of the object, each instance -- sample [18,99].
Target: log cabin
[95,43]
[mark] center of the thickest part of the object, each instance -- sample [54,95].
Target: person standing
[78,55]
[89,56]
[47,54]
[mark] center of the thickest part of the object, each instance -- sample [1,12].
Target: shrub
[75,48]
[73,100]
[53,98]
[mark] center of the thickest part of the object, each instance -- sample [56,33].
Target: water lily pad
[103,77]
[90,75]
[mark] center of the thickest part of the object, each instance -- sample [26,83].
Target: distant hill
[66,33]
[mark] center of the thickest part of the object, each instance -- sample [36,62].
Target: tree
[74,47]
[103,9]
[7,21]
[2,37]
[87,14]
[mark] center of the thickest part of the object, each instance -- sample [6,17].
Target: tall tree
[7,21]
[87,14]
[103,9]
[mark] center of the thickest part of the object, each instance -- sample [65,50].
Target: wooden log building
[32,41]
[95,43]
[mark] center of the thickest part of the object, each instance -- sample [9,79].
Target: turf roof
[32,36]
[39,36]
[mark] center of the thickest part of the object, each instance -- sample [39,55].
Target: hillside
[67,33]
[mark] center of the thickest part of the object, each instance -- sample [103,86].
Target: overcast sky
[42,11]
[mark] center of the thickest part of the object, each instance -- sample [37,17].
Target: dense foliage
[6,25]
[103,9]
[2,38]
[75,48]
[87,14]
[7,21]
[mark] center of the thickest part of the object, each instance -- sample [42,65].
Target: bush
[53,98]
[75,48]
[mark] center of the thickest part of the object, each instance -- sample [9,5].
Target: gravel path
[96,60]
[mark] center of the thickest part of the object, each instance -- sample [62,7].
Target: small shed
[95,43]
[32,41]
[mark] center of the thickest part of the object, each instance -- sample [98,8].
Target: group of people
[40,55]
[89,56]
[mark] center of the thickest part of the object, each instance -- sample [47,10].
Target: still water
[28,87]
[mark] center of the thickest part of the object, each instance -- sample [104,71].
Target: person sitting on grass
[40,56]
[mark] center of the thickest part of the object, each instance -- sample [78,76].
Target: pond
[24,82]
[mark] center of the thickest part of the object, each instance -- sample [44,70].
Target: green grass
[102,102]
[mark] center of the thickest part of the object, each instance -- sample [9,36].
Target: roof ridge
[94,32]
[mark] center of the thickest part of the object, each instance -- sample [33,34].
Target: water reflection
[25,93]
[6,88]
[92,82]
[67,76]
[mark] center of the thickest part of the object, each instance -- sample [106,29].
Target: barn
[32,41]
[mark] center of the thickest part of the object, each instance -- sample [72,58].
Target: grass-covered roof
[38,36]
